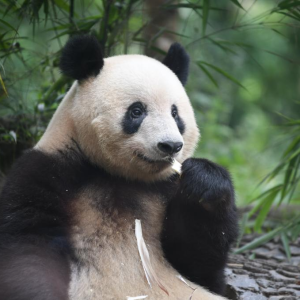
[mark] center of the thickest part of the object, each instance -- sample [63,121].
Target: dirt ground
[265,272]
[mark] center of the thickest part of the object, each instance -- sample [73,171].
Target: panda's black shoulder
[37,170]
[33,234]
[41,188]
[38,190]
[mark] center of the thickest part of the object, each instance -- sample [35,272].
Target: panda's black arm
[34,248]
[201,224]
[32,272]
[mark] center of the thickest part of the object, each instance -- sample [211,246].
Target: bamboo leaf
[285,242]
[283,116]
[61,34]
[158,50]
[292,123]
[260,240]
[46,11]
[265,209]
[275,188]
[287,4]
[270,235]
[295,232]
[295,180]
[287,177]
[3,85]
[177,33]
[62,4]
[293,189]
[296,153]
[295,13]
[256,207]
[243,226]
[206,4]
[236,2]
[55,87]
[11,6]
[279,33]
[139,30]
[8,25]
[208,75]
[292,146]
[224,48]
[273,173]
[157,35]
[289,15]
[238,44]
[190,5]
[222,72]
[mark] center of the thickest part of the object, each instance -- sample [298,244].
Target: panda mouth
[165,161]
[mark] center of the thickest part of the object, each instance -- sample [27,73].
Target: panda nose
[169,147]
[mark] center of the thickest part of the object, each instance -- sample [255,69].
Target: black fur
[178,61]
[40,189]
[81,57]
[201,224]
[178,120]
[33,228]
[130,124]
[32,272]
[36,214]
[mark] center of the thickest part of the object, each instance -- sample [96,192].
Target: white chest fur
[109,265]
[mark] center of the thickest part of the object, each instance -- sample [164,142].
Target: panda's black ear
[81,57]
[178,61]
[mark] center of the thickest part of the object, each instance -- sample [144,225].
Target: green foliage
[286,174]
[32,34]
[220,71]
[287,231]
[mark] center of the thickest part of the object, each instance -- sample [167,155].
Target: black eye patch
[134,117]
[178,120]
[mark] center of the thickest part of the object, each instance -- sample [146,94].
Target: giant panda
[68,208]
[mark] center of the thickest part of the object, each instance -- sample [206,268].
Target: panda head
[131,113]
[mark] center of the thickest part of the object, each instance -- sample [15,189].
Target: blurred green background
[244,80]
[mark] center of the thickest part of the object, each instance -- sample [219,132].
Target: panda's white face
[133,117]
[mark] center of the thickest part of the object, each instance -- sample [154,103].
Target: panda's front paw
[206,183]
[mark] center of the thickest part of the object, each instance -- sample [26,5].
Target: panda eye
[136,112]
[174,112]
